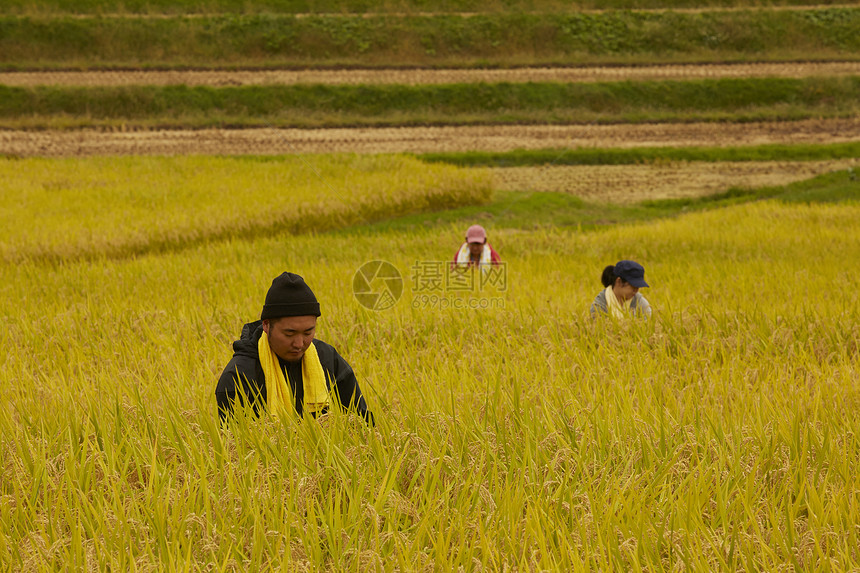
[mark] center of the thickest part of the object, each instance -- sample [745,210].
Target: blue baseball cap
[632,272]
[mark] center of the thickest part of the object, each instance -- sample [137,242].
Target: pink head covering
[476,234]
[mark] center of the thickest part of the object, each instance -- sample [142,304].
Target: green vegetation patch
[514,38]
[453,104]
[546,210]
[839,187]
[538,157]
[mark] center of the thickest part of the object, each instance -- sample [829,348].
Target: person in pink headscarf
[476,251]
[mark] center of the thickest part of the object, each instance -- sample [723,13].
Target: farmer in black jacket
[278,363]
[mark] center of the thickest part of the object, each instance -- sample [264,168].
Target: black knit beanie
[289,295]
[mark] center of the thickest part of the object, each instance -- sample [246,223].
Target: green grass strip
[455,104]
[503,39]
[536,209]
[540,157]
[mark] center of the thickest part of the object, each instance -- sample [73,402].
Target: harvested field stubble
[625,184]
[427,76]
[421,139]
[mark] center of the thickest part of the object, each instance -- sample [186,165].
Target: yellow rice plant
[721,434]
[115,206]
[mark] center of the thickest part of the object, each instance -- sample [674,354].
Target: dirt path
[415,77]
[84,14]
[421,139]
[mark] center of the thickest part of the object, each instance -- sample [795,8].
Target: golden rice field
[522,436]
[116,206]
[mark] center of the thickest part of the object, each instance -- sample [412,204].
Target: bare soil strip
[422,139]
[218,78]
[422,14]
[626,184]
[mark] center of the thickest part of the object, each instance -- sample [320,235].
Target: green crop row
[507,39]
[453,104]
[531,157]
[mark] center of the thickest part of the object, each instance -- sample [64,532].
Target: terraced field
[409,138]
[622,184]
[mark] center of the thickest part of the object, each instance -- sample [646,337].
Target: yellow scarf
[464,257]
[616,308]
[278,394]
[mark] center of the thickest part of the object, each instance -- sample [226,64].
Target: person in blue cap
[621,296]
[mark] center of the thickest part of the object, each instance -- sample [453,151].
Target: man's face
[290,336]
[476,249]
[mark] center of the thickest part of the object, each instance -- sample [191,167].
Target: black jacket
[245,367]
